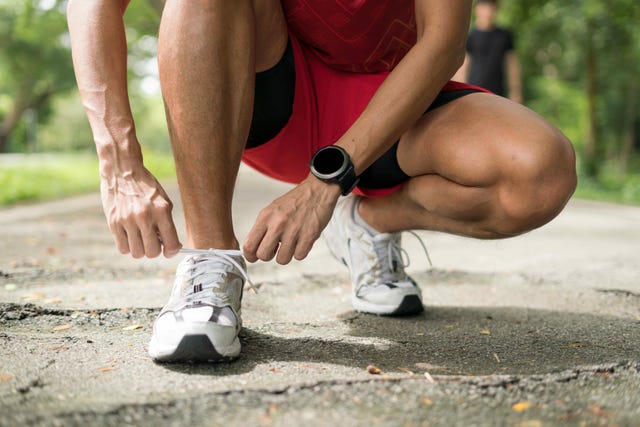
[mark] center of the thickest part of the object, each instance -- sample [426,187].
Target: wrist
[322,188]
[333,165]
[119,159]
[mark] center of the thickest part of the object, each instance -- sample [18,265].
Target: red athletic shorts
[326,103]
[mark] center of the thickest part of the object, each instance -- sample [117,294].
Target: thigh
[480,139]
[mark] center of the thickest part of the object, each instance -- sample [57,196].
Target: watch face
[329,162]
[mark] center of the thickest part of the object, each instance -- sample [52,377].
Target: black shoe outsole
[195,348]
[410,305]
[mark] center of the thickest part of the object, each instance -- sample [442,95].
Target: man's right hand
[139,214]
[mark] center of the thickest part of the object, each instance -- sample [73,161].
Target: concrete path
[538,330]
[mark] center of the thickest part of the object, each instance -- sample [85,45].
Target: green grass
[616,189]
[48,176]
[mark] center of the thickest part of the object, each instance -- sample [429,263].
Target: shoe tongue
[387,254]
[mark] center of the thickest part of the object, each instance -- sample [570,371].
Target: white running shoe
[202,319]
[380,284]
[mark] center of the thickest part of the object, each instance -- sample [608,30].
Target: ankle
[365,216]
[200,242]
[357,217]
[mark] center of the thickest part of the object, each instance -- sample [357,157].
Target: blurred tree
[34,61]
[588,49]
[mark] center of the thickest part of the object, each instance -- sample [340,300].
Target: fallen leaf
[577,345]
[522,406]
[58,347]
[53,301]
[530,423]
[426,401]
[266,420]
[420,334]
[429,378]
[51,250]
[598,411]
[132,327]
[485,332]
[62,327]
[33,295]
[495,356]
[405,370]
[373,370]
[275,371]
[32,241]
[6,378]
[427,366]
[106,369]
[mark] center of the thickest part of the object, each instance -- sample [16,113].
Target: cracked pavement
[542,329]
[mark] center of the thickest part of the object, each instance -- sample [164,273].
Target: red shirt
[354,35]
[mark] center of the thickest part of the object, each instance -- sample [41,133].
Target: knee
[537,184]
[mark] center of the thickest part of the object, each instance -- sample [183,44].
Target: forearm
[100,61]
[401,99]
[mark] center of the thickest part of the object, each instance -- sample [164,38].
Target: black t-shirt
[487,50]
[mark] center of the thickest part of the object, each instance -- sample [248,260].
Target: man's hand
[139,214]
[292,223]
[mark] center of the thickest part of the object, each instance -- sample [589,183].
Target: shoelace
[210,267]
[388,250]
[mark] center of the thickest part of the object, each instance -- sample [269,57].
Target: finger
[287,248]
[150,241]
[253,240]
[303,247]
[169,237]
[136,247]
[268,246]
[120,236]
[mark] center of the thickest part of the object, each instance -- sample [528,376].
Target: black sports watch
[332,164]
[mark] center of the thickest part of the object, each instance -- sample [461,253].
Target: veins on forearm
[113,131]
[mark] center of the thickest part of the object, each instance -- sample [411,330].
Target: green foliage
[34,62]
[36,74]
[587,51]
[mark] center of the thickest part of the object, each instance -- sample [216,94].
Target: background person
[491,61]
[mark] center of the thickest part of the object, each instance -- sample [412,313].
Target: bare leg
[208,54]
[482,166]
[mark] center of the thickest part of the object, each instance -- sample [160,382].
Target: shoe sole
[411,304]
[197,348]
[197,343]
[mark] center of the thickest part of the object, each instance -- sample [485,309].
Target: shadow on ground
[451,340]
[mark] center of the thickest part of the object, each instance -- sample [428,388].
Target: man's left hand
[290,225]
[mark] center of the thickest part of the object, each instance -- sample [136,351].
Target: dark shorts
[302,105]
